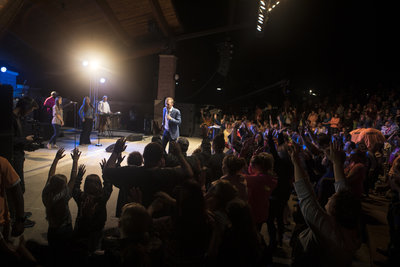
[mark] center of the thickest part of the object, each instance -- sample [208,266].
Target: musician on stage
[86,114]
[171,121]
[104,111]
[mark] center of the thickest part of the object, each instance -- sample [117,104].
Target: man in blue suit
[170,122]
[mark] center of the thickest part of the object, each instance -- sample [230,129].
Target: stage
[37,165]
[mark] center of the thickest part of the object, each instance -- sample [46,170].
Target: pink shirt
[260,188]
[49,103]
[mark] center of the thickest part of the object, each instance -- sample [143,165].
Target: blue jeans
[53,139]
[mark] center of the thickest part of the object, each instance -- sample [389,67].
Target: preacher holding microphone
[171,121]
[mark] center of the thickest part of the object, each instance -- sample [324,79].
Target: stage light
[219,89]
[3,69]
[261,15]
[85,63]
[262,3]
[102,80]
[273,6]
[94,65]
[269,9]
[277,3]
[262,7]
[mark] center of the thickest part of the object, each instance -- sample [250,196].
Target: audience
[209,208]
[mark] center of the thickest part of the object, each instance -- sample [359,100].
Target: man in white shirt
[104,110]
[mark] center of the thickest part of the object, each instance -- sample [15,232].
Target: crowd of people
[208,208]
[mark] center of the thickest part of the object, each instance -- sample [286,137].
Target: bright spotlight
[85,63]
[219,89]
[273,6]
[3,69]
[262,3]
[262,7]
[277,3]
[102,80]
[94,65]
[269,9]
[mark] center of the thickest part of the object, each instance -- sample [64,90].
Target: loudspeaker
[134,137]
[110,148]
[187,116]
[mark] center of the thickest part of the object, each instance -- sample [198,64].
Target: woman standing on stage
[57,122]
[86,113]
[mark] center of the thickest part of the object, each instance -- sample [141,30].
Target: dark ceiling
[328,45]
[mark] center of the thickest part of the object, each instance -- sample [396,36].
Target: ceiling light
[3,69]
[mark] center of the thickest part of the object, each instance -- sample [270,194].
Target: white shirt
[166,127]
[104,107]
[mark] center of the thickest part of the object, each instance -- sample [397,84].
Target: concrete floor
[37,165]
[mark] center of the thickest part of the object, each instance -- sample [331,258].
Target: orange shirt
[334,122]
[8,178]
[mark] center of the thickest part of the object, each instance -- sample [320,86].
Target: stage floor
[37,165]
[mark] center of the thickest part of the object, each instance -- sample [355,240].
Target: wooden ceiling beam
[212,31]
[8,13]
[161,21]
[114,22]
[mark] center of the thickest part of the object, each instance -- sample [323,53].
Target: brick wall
[166,83]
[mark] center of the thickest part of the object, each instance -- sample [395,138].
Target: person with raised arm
[55,197]
[152,176]
[332,236]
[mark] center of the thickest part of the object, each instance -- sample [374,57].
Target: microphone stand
[98,131]
[75,124]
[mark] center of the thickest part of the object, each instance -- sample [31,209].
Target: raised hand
[103,163]
[120,145]
[60,153]
[81,170]
[175,148]
[335,152]
[75,154]
[294,152]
